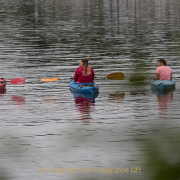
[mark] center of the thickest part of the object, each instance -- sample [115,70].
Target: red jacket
[80,76]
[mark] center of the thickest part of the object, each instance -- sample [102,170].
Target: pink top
[164,72]
[81,77]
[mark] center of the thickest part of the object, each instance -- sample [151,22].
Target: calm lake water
[127,131]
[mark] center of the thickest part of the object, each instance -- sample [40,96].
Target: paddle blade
[17,81]
[50,79]
[116,76]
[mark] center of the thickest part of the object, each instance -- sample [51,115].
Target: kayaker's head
[84,62]
[161,62]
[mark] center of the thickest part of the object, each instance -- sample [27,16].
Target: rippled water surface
[126,126]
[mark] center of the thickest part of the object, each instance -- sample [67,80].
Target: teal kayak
[163,85]
[85,88]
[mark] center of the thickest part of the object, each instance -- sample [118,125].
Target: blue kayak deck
[90,88]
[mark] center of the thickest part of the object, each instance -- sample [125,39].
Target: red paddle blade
[17,81]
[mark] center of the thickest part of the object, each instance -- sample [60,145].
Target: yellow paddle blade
[50,79]
[116,76]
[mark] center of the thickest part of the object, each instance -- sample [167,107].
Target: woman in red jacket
[84,74]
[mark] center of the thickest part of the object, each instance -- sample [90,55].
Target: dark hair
[163,61]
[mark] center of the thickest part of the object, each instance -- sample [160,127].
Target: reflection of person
[163,72]
[164,104]
[85,107]
[84,74]
[164,101]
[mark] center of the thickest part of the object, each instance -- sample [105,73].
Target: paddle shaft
[4,81]
[113,76]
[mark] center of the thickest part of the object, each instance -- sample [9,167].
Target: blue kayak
[163,85]
[84,95]
[79,97]
[89,88]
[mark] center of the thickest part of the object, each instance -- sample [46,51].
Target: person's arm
[92,74]
[171,76]
[157,74]
[156,78]
[76,75]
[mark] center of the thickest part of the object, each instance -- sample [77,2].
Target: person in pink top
[84,74]
[163,72]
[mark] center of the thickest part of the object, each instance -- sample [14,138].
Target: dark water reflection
[125,125]
[117,97]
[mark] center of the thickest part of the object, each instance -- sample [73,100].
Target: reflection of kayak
[2,92]
[163,85]
[85,88]
[84,102]
[2,84]
[160,92]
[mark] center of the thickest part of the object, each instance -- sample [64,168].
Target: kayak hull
[84,95]
[2,84]
[84,88]
[163,85]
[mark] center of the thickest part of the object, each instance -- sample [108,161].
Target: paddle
[142,78]
[116,76]
[113,76]
[16,81]
[138,78]
[54,79]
